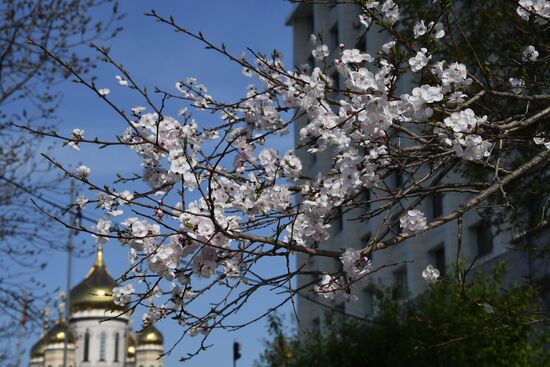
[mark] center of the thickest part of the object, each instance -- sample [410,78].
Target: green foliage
[479,324]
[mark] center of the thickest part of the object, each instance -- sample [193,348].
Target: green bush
[478,324]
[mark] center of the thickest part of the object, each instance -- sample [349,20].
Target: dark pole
[72,222]
[236,352]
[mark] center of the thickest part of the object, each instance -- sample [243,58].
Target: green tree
[480,324]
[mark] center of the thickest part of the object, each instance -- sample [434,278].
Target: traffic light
[236,351]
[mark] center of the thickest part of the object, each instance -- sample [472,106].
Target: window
[361,44]
[335,76]
[369,302]
[311,63]
[315,277]
[436,203]
[400,281]
[483,238]
[117,342]
[87,346]
[313,157]
[339,220]
[338,266]
[340,313]
[394,225]
[363,200]
[398,179]
[333,38]
[437,257]
[102,345]
[315,325]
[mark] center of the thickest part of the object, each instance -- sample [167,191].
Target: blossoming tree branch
[221,199]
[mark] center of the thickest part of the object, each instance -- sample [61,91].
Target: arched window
[117,341]
[102,346]
[87,346]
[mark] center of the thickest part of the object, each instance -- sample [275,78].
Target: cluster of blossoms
[78,135]
[413,221]
[466,143]
[421,29]
[212,193]
[430,274]
[530,54]
[123,295]
[538,9]
[355,270]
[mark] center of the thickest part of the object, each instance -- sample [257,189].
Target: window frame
[482,233]
[103,346]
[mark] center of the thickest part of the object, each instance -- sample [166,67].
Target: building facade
[99,333]
[339,24]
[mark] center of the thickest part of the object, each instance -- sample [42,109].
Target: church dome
[95,291]
[37,350]
[57,334]
[150,336]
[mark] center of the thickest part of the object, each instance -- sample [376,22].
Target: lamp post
[74,218]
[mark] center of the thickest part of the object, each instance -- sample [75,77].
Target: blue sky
[156,56]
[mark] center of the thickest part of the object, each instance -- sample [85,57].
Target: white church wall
[148,356]
[102,338]
[53,355]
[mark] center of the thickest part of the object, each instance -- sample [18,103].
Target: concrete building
[339,23]
[98,335]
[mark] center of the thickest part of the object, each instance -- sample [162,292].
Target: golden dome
[57,334]
[150,336]
[95,291]
[37,350]
[131,353]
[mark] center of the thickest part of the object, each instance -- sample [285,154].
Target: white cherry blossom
[420,29]
[82,200]
[430,274]
[365,20]
[355,56]
[414,221]
[391,11]
[419,61]
[121,81]
[530,54]
[539,9]
[518,85]
[83,172]
[321,52]
[123,295]
[438,30]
